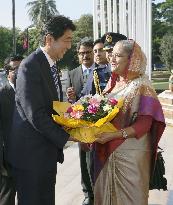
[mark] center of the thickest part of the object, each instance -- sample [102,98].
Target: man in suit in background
[36,141]
[76,81]
[7,101]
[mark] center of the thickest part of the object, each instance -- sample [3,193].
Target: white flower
[98,97]
[85,99]
[107,108]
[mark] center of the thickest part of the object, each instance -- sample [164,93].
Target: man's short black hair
[7,61]
[86,41]
[56,26]
[16,58]
[99,40]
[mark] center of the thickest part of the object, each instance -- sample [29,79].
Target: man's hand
[71,95]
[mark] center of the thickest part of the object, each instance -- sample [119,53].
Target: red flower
[112,101]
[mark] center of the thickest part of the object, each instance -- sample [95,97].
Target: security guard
[110,39]
[101,73]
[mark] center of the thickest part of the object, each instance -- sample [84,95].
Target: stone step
[168,113]
[169,121]
[166,97]
[166,100]
[167,106]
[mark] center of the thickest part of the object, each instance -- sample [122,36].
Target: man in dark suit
[76,81]
[7,93]
[36,141]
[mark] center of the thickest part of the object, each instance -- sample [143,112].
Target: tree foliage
[41,10]
[166,50]
[162,14]
[167,12]
[6,42]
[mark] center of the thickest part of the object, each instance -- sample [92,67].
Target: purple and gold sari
[122,168]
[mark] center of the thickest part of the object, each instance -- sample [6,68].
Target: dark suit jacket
[36,141]
[6,112]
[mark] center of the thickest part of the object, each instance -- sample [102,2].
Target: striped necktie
[86,74]
[56,79]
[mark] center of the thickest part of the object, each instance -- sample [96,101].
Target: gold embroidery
[109,38]
[97,83]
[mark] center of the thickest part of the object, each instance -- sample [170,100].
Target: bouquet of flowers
[87,117]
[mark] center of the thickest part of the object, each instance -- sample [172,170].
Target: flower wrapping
[89,116]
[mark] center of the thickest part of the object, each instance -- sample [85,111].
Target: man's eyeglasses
[84,53]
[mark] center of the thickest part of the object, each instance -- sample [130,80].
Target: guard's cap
[111,38]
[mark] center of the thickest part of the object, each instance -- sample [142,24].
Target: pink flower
[66,115]
[112,101]
[92,109]
[76,114]
[94,102]
[69,110]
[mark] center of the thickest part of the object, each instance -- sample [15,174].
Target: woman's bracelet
[124,134]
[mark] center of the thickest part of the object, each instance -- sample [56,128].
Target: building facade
[132,18]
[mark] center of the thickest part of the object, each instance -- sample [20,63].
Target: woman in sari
[124,160]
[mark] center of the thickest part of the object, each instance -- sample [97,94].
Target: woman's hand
[108,136]
[105,137]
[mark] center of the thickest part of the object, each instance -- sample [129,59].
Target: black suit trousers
[86,172]
[35,187]
[7,190]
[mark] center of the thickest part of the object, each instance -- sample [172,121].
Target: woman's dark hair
[56,26]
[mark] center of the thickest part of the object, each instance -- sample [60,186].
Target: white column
[102,17]
[124,17]
[109,15]
[95,19]
[115,19]
[129,15]
[144,25]
[133,28]
[149,42]
[139,34]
